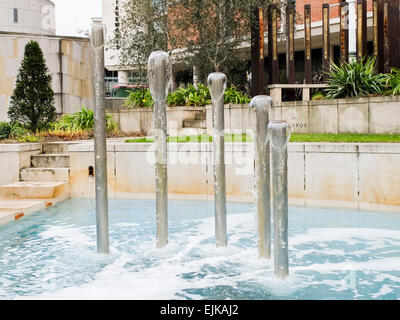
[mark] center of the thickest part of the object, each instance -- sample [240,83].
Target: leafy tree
[207,34]
[32,102]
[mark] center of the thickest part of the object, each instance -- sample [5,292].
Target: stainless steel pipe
[100,135]
[279,134]
[159,70]
[217,85]
[262,104]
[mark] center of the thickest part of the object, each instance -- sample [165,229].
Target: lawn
[298,137]
[348,137]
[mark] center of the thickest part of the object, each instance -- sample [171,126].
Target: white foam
[67,233]
[383,291]
[384,264]
[193,252]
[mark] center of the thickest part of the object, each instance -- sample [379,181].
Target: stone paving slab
[21,206]
[33,190]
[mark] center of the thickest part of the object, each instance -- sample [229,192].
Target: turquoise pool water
[333,255]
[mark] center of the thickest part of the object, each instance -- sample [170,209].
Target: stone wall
[13,158]
[380,115]
[69,63]
[353,176]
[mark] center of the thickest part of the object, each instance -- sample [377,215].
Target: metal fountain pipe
[217,85]
[279,134]
[159,70]
[100,134]
[262,104]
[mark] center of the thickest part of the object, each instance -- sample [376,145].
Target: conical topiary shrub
[32,102]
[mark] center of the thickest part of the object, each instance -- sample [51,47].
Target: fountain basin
[333,254]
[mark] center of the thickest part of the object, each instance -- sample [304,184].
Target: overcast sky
[75,15]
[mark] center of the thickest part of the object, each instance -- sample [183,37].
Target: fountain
[261,105]
[217,85]
[100,134]
[159,70]
[279,134]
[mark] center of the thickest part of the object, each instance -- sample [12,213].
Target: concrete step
[11,210]
[200,116]
[50,161]
[45,174]
[24,206]
[7,216]
[50,192]
[190,131]
[199,124]
[56,147]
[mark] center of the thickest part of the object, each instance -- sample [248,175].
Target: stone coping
[308,147]
[126,109]
[297,86]
[20,147]
[293,202]
[336,102]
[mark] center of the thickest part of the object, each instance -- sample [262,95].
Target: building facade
[112,11]
[67,58]
[27,16]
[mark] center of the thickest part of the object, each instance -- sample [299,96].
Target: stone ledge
[20,147]
[308,147]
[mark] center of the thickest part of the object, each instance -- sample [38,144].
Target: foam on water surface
[333,255]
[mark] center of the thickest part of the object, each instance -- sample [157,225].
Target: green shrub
[5,130]
[18,131]
[355,79]
[29,138]
[190,96]
[177,98]
[318,96]
[234,96]
[32,102]
[140,98]
[198,97]
[82,120]
[393,82]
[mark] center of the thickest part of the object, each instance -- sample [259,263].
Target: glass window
[15,15]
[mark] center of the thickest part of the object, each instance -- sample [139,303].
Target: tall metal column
[307,44]
[159,71]
[279,134]
[100,135]
[386,42]
[257,53]
[361,29]
[262,105]
[344,32]
[394,40]
[290,52]
[376,34]
[326,36]
[217,84]
[273,56]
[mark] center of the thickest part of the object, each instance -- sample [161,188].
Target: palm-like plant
[82,120]
[139,98]
[394,81]
[355,79]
